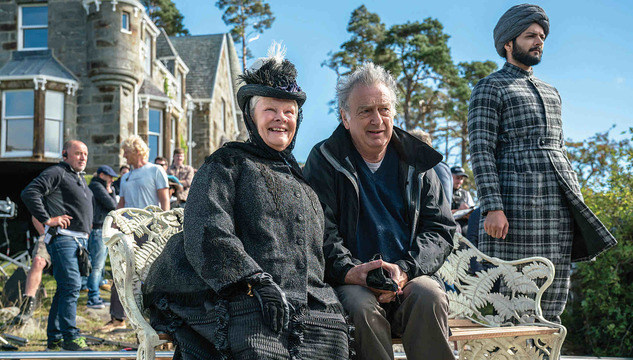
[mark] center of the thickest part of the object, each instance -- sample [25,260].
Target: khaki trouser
[421,320]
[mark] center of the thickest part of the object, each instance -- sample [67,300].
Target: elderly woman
[244,279]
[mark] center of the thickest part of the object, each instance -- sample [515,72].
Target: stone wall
[8,29]
[222,91]
[201,134]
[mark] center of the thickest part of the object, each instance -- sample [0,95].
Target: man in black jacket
[379,197]
[60,199]
[104,202]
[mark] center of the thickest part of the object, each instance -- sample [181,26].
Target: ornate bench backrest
[144,232]
[527,279]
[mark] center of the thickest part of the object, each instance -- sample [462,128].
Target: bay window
[17,123]
[53,123]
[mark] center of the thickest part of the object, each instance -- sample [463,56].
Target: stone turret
[115,55]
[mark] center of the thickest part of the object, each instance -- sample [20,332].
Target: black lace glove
[272,301]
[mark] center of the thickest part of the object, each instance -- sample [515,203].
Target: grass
[88,320]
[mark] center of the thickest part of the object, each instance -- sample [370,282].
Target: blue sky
[588,55]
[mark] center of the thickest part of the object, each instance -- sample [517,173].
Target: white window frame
[61,127]
[3,134]
[172,140]
[21,27]
[190,137]
[159,151]
[126,26]
[147,52]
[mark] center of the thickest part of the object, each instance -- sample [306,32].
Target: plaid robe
[521,167]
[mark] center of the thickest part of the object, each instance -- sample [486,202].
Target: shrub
[599,314]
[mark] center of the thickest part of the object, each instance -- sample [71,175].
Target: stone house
[100,71]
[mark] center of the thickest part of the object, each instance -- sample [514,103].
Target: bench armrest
[527,279]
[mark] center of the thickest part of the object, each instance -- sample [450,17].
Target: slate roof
[202,56]
[32,63]
[164,47]
[148,88]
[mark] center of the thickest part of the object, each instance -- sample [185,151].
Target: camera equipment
[8,209]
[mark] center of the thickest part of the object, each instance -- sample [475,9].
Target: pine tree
[165,14]
[247,17]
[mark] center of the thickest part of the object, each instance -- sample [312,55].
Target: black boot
[26,310]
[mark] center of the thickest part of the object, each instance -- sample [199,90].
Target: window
[148,53]
[125,22]
[53,123]
[154,134]
[33,28]
[172,141]
[17,123]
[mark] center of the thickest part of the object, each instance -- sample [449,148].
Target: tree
[416,54]
[595,158]
[599,312]
[367,32]
[165,14]
[244,15]
[456,109]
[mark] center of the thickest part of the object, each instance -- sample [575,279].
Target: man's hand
[358,274]
[463,206]
[63,221]
[496,224]
[397,274]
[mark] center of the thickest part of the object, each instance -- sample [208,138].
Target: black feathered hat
[273,77]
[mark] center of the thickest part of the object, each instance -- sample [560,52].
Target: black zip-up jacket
[332,175]
[60,190]
[103,202]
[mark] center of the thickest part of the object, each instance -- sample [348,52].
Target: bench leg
[543,347]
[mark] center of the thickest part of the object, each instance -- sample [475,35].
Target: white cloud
[619,80]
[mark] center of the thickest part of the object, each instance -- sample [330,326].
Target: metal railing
[79,355]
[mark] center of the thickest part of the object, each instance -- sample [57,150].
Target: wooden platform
[464,329]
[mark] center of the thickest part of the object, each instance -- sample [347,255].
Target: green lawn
[89,320]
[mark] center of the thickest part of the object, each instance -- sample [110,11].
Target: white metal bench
[517,330]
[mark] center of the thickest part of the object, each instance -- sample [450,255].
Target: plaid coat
[521,167]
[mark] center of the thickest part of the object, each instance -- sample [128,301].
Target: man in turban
[530,198]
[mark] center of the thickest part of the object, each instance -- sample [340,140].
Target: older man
[530,198]
[380,196]
[60,199]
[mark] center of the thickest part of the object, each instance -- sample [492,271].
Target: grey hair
[422,135]
[367,74]
[253,102]
[255,99]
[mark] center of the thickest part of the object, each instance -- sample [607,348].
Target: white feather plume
[276,52]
